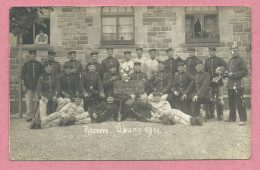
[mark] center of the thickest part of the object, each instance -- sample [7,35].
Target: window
[117,25]
[34,31]
[201,24]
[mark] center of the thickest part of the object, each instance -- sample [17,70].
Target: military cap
[199,62]
[137,63]
[67,66]
[212,48]
[112,66]
[156,93]
[110,48]
[72,52]
[168,49]
[181,64]
[32,51]
[90,64]
[47,64]
[139,49]
[127,52]
[51,52]
[94,53]
[234,47]
[110,95]
[152,50]
[191,49]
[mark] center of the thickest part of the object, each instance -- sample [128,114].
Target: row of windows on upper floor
[118,27]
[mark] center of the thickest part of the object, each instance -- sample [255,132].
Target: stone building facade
[83,29]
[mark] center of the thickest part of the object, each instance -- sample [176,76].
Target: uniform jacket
[91,83]
[181,82]
[200,85]
[99,69]
[71,109]
[31,71]
[56,68]
[171,65]
[162,81]
[212,63]
[109,61]
[190,64]
[237,66]
[138,76]
[108,85]
[76,66]
[104,111]
[48,85]
[68,84]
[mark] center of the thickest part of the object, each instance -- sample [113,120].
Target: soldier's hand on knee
[86,95]
[195,99]
[94,115]
[184,97]
[102,95]
[176,93]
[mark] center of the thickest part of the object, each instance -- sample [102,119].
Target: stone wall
[79,29]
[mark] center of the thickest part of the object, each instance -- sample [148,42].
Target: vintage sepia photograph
[129,82]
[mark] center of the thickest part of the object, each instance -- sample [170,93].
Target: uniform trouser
[197,104]
[61,103]
[180,116]
[91,101]
[236,100]
[52,119]
[51,107]
[216,100]
[83,118]
[30,97]
[176,102]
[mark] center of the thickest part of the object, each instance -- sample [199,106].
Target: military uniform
[180,83]
[171,65]
[235,88]
[216,88]
[200,87]
[30,74]
[104,111]
[69,85]
[56,68]
[48,87]
[92,85]
[191,62]
[108,84]
[162,81]
[76,67]
[107,62]
[99,69]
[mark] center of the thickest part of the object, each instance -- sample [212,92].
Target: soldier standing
[30,74]
[56,68]
[48,87]
[237,69]
[161,80]
[76,65]
[215,67]
[151,64]
[128,65]
[140,58]
[92,87]
[199,88]
[191,61]
[110,60]
[98,66]
[182,80]
[172,62]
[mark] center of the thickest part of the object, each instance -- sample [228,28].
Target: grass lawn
[136,141]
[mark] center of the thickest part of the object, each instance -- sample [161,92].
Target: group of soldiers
[185,84]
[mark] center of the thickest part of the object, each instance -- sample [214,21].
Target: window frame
[34,36]
[203,14]
[117,15]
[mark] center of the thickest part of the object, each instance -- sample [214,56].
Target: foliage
[23,18]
